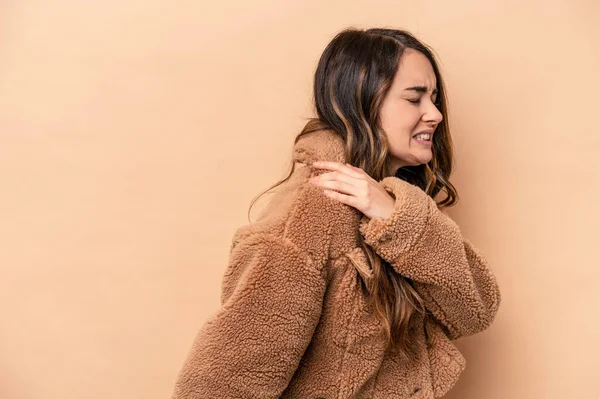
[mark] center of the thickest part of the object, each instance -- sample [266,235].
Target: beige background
[133,135]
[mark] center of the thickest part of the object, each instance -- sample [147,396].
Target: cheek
[399,120]
[396,120]
[412,115]
[399,123]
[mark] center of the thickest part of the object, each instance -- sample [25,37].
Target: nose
[433,116]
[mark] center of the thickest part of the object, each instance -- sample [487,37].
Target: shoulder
[323,226]
[302,215]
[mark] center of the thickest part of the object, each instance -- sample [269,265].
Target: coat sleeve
[425,245]
[251,347]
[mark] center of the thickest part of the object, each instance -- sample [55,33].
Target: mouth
[423,138]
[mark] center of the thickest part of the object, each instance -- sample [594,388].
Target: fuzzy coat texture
[295,321]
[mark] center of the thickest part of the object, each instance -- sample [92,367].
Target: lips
[427,131]
[427,143]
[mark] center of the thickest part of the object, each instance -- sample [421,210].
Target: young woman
[352,282]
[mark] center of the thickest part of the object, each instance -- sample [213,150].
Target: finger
[338,176]
[341,186]
[361,171]
[343,198]
[356,168]
[340,167]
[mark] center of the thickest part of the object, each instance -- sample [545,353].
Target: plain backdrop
[133,135]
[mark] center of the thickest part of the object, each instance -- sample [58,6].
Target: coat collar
[321,145]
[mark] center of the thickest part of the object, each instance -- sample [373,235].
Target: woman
[352,282]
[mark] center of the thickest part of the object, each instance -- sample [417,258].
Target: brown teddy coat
[294,321]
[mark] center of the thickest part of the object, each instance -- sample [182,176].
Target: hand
[355,188]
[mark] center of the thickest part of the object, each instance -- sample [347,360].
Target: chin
[411,160]
[419,161]
[423,159]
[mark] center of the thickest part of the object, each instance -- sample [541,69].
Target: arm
[271,303]
[426,246]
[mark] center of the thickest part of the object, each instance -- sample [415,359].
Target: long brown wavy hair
[353,76]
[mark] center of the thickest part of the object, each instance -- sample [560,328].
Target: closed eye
[435,102]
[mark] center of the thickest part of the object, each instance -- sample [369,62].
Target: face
[409,108]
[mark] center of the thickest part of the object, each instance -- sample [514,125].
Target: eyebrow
[421,89]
